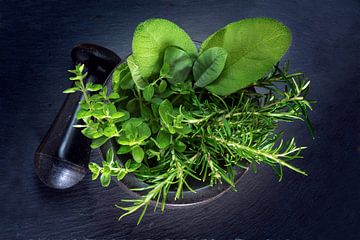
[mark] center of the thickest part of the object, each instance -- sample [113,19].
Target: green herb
[254,46]
[178,116]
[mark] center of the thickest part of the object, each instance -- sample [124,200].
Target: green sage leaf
[209,65]
[253,45]
[177,65]
[150,40]
[140,82]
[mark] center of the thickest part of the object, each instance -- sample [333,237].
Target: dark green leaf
[163,139]
[179,146]
[177,65]
[131,165]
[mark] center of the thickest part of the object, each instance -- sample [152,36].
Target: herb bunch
[172,128]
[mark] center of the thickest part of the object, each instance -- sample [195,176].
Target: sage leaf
[209,65]
[138,154]
[140,82]
[177,65]
[150,40]
[253,45]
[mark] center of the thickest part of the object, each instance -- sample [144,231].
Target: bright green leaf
[110,155]
[71,90]
[209,65]
[124,149]
[253,45]
[96,143]
[140,82]
[150,40]
[138,154]
[93,87]
[148,92]
[105,179]
[121,174]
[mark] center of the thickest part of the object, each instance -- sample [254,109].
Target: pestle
[63,155]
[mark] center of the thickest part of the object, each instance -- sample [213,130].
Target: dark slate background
[35,40]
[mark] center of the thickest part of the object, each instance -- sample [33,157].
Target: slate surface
[35,41]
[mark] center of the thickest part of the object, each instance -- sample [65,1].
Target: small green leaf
[95,169]
[148,92]
[179,146]
[163,139]
[135,73]
[133,106]
[165,111]
[94,87]
[114,95]
[146,113]
[124,149]
[177,65]
[121,174]
[131,165]
[82,113]
[138,154]
[110,155]
[96,143]
[92,132]
[162,86]
[209,65]
[71,90]
[110,131]
[105,179]
[116,115]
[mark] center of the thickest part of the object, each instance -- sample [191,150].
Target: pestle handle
[63,155]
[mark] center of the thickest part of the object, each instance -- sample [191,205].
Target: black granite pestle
[63,155]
